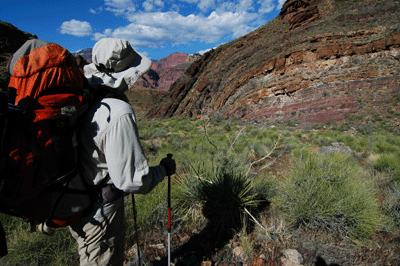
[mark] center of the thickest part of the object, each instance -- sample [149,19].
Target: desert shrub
[266,186]
[366,129]
[389,163]
[300,152]
[344,127]
[329,192]
[385,147]
[321,140]
[347,139]
[293,143]
[391,205]
[263,134]
[220,196]
[394,140]
[360,145]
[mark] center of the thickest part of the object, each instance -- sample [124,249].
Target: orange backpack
[39,123]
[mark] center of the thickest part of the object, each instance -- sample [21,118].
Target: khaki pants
[101,243]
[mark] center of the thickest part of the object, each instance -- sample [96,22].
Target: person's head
[116,64]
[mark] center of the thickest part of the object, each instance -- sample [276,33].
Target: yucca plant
[222,196]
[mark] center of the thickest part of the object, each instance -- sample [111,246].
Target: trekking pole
[169,155]
[136,227]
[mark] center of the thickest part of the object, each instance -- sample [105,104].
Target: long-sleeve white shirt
[112,149]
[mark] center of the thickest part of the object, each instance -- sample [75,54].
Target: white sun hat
[116,64]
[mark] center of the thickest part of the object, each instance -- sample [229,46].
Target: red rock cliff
[318,61]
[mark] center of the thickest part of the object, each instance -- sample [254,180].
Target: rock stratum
[318,61]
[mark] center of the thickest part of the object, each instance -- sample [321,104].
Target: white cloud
[191,1]
[204,51]
[149,5]
[266,6]
[210,21]
[204,5]
[241,30]
[107,33]
[76,28]
[175,7]
[119,7]
[154,29]
[281,2]
[96,11]
[245,5]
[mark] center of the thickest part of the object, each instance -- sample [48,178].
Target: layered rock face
[166,71]
[318,61]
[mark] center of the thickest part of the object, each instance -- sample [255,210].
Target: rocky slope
[11,38]
[166,71]
[86,54]
[318,61]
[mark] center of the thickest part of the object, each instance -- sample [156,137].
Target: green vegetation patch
[330,192]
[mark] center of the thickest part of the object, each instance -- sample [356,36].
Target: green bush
[329,192]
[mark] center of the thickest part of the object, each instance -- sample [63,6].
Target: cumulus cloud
[245,5]
[204,5]
[150,5]
[266,6]
[76,28]
[210,21]
[154,29]
[107,33]
[119,7]
[222,6]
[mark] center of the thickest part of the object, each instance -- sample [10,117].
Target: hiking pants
[101,243]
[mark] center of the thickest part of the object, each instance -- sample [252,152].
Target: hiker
[112,156]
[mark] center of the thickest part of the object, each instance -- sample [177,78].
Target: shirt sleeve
[126,162]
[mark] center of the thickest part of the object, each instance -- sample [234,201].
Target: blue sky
[156,28]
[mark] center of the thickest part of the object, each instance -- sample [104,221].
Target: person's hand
[169,164]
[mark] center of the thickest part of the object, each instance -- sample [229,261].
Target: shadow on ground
[207,243]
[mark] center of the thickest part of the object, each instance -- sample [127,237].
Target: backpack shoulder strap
[101,91]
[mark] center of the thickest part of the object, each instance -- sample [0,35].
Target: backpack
[40,114]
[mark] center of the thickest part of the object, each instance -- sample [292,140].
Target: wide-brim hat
[116,64]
